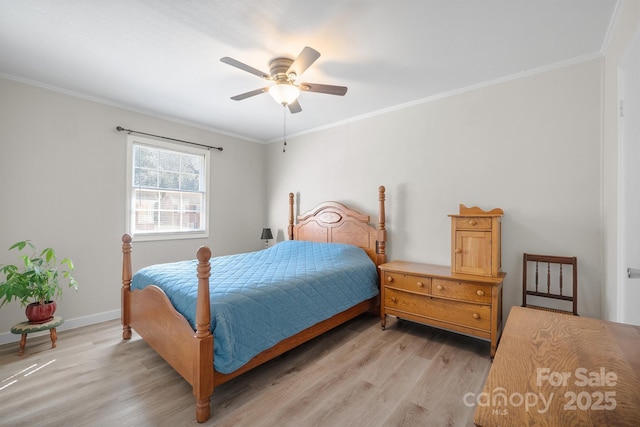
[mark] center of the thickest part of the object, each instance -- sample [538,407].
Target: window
[167,190]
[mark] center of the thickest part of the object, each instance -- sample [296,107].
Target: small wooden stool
[24,328]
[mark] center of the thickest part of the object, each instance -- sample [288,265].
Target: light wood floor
[356,375]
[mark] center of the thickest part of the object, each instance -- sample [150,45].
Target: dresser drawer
[408,282]
[461,290]
[460,313]
[472,223]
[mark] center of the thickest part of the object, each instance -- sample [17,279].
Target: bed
[185,339]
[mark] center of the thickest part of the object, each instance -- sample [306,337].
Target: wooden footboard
[153,317]
[150,313]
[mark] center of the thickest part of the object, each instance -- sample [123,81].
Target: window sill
[169,236]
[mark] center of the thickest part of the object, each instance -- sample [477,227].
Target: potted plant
[36,281]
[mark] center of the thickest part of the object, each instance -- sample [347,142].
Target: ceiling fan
[284,72]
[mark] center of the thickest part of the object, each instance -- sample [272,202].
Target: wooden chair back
[550,276]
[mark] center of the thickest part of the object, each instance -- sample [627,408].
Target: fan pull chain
[284,128]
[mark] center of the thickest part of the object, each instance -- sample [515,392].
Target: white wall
[628,23]
[530,146]
[62,181]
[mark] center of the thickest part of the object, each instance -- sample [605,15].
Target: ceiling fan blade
[250,94]
[307,57]
[294,107]
[328,89]
[245,67]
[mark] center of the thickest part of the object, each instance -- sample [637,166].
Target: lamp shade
[266,234]
[284,93]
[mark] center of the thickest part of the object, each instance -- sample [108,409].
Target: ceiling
[162,57]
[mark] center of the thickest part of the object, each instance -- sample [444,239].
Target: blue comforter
[260,298]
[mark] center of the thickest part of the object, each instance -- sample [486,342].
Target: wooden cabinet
[434,295]
[476,242]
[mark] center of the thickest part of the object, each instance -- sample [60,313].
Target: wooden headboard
[333,222]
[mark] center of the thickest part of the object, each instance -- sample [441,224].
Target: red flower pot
[40,313]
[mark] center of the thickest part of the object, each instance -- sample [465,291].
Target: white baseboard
[8,337]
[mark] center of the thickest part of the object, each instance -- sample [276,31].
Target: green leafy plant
[37,278]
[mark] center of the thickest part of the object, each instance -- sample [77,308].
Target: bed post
[290,228]
[203,375]
[126,286]
[382,232]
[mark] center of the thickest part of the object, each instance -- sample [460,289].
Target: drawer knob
[420,284]
[458,250]
[475,316]
[389,279]
[473,222]
[480,293]
[394,299]
[439,287]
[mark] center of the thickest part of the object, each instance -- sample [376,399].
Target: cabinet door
[472,252]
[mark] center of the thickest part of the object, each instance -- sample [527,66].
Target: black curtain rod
[121,129]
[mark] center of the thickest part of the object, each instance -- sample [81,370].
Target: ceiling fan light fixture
[284,93]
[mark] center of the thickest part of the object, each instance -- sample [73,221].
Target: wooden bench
[557,370]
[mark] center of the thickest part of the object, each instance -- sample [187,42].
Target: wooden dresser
[434,295]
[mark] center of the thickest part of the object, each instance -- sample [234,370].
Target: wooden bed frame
[190,352]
